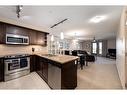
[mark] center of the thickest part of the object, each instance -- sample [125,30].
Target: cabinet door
[45,70]
[41,38]
[33,37]
[42,68]
[32,63]
[12,29]
[39,66]
[1,70]
[69,75]
[2,33]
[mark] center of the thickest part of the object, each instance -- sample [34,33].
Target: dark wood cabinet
[57,75]
[33,65]
[41,38]
[2,33]
[35,37]
[42,68]
[69,75]
[12,29]
[32,37]
[1,70]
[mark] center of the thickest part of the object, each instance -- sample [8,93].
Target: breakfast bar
[58,71]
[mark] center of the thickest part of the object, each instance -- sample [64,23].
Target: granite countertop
[59,58]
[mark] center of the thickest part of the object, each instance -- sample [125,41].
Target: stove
[16,55]
[16,66]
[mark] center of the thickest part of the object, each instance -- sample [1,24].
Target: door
[94,47]
[100,48]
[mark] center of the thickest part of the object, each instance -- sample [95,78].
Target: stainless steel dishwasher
[54,76]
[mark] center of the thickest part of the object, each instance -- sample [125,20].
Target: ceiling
[78,19]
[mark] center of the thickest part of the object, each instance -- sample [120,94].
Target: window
[100,47]
[94,49]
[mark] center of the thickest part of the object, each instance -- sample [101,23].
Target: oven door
[25,63]
[11,65]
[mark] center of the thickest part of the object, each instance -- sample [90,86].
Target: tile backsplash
[20,49]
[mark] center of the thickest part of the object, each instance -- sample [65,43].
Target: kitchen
[63,67]
[58,50]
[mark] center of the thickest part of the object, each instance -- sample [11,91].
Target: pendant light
[52,38]
[94,39]
[61,36]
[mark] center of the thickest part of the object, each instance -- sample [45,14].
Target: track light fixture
[18,10]
[58,23]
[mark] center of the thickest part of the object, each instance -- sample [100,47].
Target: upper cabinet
[2,33]
[12,29]
[41,38]
[35,37]
[32,37]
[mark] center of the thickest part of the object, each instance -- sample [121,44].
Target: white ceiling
[78,19]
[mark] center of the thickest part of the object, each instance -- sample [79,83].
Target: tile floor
[31,81]
[101,75]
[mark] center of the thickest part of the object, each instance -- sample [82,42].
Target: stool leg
[81,65]
[86,63]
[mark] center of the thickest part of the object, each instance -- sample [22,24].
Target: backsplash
[19,49]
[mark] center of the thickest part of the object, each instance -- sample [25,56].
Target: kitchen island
[58,71]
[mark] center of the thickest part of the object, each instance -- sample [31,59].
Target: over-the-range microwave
[17,39]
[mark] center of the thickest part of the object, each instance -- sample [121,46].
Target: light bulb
[52,38]
[61,35]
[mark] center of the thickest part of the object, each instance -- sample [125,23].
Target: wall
[126,51]
[104,48]
[16,49]
[111,43]
[75,45]
[86,45]
[120,47]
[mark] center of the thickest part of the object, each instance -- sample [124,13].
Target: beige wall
[86,45]
[15,49]
[111,43]
[120,46]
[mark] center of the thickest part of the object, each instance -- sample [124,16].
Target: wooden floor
[99,75]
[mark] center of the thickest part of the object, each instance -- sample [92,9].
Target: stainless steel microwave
[17,39]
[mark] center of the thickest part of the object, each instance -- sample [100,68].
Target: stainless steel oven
[17,39]
[16,66]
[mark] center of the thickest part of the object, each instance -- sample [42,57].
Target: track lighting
[18,10]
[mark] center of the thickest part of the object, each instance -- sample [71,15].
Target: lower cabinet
[42,68]
[69,75]
[1,70]
[56,75]
[33,63]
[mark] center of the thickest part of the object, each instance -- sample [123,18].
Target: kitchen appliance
[54,73]
[17,39]
[16,66]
